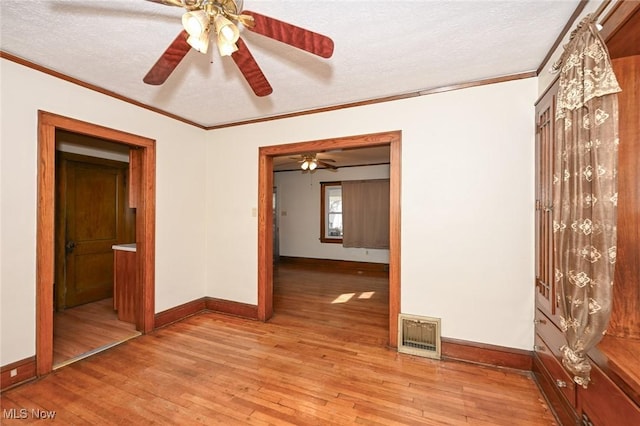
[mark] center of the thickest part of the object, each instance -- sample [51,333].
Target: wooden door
[91,218]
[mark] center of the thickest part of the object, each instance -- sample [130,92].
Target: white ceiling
[382,48]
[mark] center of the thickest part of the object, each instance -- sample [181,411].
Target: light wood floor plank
[321,360]
[85,328]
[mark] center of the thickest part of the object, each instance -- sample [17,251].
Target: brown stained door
[92,216]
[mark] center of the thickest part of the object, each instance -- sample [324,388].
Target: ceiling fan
[218,20]
[310,162]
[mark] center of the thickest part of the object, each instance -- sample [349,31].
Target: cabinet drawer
[559,376]
[605,403]
[553,337]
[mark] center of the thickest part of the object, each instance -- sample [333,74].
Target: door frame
[45,237]
[265,212]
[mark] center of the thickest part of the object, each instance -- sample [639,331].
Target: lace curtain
[585,194]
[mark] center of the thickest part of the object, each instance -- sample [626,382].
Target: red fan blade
[250,70]
[168,61]
[290,34]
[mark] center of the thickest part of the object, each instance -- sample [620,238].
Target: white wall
[467,204]
[467,201]
[180,195]
[299,197]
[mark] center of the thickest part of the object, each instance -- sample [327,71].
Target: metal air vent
[419,335]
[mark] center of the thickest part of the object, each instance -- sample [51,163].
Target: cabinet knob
[538,348]
[539,321]
[561,383]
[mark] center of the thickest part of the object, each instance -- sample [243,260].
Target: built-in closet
[613,395]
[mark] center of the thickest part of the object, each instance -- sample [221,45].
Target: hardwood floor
[85,329]
[321,360]
[346,305]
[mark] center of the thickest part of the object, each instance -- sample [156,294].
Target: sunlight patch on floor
[345,297]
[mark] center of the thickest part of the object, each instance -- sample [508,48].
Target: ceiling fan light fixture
[196,22]
[313,164]
[200,43]
[226,49]
[304,165]
[226,30]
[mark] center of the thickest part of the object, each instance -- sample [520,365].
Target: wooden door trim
[265,214]
[45,234]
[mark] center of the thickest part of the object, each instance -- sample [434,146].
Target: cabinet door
[546,299]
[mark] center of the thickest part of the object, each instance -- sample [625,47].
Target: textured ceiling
[382,48]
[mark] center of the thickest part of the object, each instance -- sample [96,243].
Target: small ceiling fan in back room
[217,22]
[310,161]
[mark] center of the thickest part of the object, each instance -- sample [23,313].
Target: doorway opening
[92,216]
[142,196]
[265,215]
